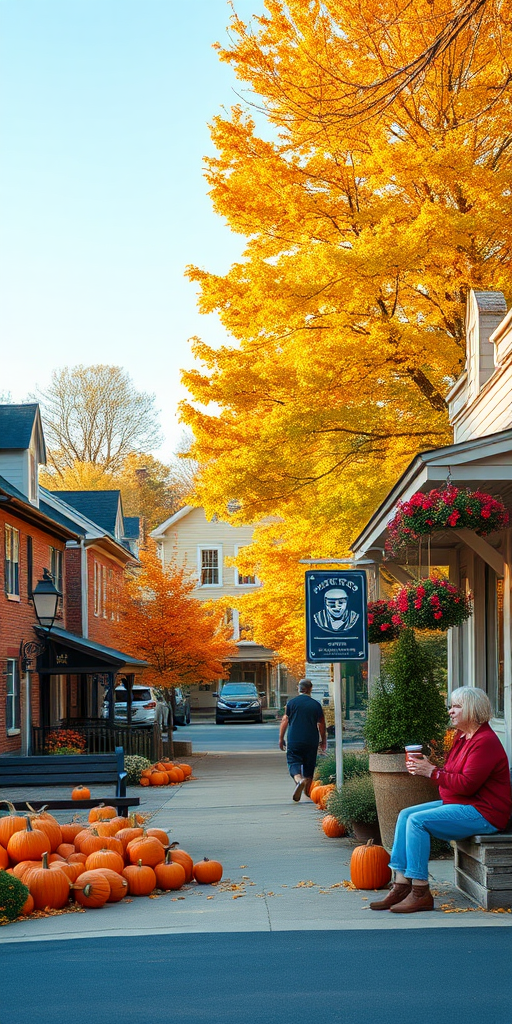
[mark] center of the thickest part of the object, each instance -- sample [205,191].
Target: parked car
[238,702]
[181,706]
[144,705]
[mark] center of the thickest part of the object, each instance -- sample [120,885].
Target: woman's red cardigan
[476,772]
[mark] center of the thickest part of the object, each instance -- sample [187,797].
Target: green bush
[134,765]
[406,705]
[13,895]
[355,763]
[355,801]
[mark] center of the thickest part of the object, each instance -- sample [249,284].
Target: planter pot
[363,832]
[396,789]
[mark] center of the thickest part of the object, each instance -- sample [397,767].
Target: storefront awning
[67,654]
[247,651]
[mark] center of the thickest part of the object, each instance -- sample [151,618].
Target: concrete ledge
[182,748]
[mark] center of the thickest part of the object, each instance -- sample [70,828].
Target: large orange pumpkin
[95,842]
[141,879]
[65,850]
[70,830]
[81,793]
[11,823]
[158,833]
[48,886]
[125,835]
[144,781]
[105,859]
[158,779]
[369,868]
[207,871]
[28,845]
[146,849]
[49,825]
[71,870]
[186,769]
[169,874]
[324,795]
[332,827]
[102,813]
[181,857]
[118,885]
[92,889]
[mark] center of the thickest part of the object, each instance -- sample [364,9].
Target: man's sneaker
[297,793]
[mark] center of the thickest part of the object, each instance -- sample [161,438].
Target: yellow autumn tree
[363,237]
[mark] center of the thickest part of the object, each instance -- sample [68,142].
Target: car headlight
[220,704]
[255,704]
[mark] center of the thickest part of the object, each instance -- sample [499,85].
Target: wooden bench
[62,770]
[483,869]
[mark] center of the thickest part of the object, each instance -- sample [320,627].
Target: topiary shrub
[355,801]
[355,763]
[134,765]
[406,704]
[13,896]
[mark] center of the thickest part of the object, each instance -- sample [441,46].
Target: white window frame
[104,591]
[12,698]
[209,547]
[12,548]
[255,581]
[97,588]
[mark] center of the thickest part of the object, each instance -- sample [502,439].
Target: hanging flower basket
[384,622]
[451,507]
[433,603]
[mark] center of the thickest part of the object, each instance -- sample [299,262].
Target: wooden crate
[483,869]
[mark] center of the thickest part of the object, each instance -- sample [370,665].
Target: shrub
[134,766]
[406,705]
[355,801]
[13,895]
[65,741]
[355,763]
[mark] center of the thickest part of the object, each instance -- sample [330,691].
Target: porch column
[507,643]
[110,697]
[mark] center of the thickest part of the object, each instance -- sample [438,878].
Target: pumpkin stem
[139,863]
[45,861]
[370,842]
[12,809]
[172,845]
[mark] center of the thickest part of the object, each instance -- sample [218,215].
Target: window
[240,579]
[56,567]
[12,561]
[12,716]
[97,588]
[209,567]
[104,591]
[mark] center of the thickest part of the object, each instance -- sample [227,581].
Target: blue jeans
[415,825]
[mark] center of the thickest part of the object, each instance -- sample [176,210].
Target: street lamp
[46,598]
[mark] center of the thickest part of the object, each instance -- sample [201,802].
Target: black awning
[67,653]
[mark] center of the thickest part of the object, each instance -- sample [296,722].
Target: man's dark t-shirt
[303,714]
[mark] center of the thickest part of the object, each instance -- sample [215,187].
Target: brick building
[81,538]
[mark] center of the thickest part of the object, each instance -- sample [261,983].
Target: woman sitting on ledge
[476,799]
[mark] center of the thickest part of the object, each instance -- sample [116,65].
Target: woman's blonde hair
[475,704]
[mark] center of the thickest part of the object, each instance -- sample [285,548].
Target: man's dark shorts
[301,758]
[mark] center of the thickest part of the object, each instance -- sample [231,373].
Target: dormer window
[32,478]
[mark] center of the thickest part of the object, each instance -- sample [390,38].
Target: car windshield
[233,688]
[137,695]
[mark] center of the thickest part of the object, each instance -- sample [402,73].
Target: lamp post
[46,599]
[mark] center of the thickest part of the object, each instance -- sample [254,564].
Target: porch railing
[102,738]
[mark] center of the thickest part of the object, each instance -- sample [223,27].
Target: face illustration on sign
[336,616]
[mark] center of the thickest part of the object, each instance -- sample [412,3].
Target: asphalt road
[231,736]
[344,977]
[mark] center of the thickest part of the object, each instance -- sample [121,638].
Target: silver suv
[144,705]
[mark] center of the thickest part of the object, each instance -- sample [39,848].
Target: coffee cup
[412,751]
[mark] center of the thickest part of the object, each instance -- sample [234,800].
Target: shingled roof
[17,425]
[99,506]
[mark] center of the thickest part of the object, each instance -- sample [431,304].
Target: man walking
[305,722]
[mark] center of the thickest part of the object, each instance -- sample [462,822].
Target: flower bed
[451,508]
[65,741]
[434,604]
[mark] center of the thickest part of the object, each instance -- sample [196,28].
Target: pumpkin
[28,905]
[95,842]
[91,889]
[101,813]
[144,781]
[77,858]
[106,828]
[118,884]
[314,786]
[65,850]
[118,823]
[181,857]
[28,845]
[56,857]
[48,824]
[125,835]
[324,795]
[70,830]
[158,779]
[11,823]
[4,858]
[105,859]
[369,868]
[146,849]
[169,874]
[186,769]
[19,869]
[207,871]
[71,870]
[48,886]
[175,776]
[81,793]
[83,834]
[141,879]
[158,833]
[332,827]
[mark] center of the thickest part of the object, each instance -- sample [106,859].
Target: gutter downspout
[84,588]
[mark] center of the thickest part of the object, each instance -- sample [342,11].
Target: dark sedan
[238,701]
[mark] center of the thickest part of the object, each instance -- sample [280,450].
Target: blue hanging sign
[336,616]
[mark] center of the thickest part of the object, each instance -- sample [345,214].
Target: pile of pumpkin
[320,795]
[165,773]
[95,863]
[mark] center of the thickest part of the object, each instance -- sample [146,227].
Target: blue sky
[104,106]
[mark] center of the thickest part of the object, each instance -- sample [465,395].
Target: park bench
[66,770]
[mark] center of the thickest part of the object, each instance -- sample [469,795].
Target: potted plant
[355,808]
[433,603]
[449,508]
[406,706]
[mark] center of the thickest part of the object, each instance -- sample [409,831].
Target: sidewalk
[280,871]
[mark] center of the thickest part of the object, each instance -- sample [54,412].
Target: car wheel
[187,720]
[219,721]
[259,721]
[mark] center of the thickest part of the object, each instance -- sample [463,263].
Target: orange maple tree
[184,641]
